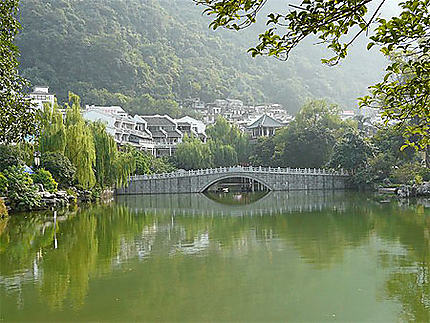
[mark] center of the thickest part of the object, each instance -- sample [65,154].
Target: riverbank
[406,191]
[60,199]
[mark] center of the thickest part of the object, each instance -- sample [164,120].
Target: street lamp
[36,159]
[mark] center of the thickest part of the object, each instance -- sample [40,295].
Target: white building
[41,95]
[347,114]
[117,110]
[165,134]
[192,127]
[124,128]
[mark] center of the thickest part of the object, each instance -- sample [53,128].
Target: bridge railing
[243,169]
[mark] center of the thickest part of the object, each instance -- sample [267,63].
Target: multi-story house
[192,127]
[125,129]
[40,96]
[165,134]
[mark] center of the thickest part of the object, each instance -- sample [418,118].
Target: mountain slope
[130,52]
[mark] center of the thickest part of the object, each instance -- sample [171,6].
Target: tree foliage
[106,155]
[148,164]
[192,153]
[338,24]
[60,167]
[79,143]
[222,133]
[308,140]
[145,55]
[87,146]
[53,131]
[10,156]
[44,177]
[21,191]
[303,147]
[262,152]
[17,119]
[351,152]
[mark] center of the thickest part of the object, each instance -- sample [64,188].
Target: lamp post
[36,159]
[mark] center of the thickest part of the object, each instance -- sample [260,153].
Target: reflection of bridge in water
[273,179]
[272,203]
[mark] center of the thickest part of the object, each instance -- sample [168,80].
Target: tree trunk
[427,157]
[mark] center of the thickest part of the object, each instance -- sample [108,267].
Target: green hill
[135,52]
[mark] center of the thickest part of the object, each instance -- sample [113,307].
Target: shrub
[73,193]
[406,173]
[10,156]
[21,191]
[60,167]
[425,173]
[45,178]
[3,185]
[418,179]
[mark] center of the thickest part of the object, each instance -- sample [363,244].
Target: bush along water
[21,193]
[44,178]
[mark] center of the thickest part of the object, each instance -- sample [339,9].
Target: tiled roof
[157,134]
[173,134]
[158,120]
[266,121]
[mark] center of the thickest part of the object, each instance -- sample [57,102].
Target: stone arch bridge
[273,179]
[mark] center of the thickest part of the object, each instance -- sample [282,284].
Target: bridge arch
[235,175]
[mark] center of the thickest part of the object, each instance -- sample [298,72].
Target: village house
[192,127]
[165,134]
[40,96]
[124,128]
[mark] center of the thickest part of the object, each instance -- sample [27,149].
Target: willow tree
[223,133]
[125,165]
[53,132]
[112,167]
[192,153]
[80,147]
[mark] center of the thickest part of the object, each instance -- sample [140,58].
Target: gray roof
[266,121]
[158,120]
[157,134]
[173,134]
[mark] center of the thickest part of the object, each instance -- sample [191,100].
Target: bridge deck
[275,179]
[241,169]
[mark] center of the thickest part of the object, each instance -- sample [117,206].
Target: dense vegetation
[227,145]
[74,153]
[317,138]
[145,55]
[403,37]
[15,120]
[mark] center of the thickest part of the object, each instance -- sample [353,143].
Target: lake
[283,256]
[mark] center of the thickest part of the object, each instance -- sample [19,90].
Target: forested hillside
[149,53]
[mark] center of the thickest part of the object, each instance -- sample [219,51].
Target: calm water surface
[296,257]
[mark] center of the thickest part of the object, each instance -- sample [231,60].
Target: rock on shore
[415,190]
[60,198]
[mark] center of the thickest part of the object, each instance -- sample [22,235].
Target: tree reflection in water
[321,227]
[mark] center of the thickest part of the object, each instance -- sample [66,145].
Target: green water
[290,257]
